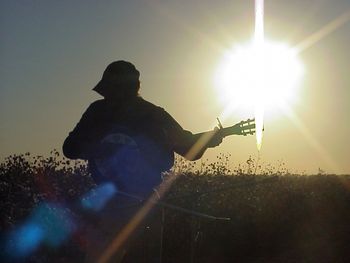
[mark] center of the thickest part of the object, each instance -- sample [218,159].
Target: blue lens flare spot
[24,240]
[56,221]
[49,224]
[97,198]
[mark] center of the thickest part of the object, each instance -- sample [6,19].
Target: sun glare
[270,76]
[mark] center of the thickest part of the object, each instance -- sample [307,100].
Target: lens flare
[260,77]
[259,125]
[23,241]
[259,40]
[98,197]
[49,223]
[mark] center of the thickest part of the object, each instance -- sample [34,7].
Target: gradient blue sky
[54,52]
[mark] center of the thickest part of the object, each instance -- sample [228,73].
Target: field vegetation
[246,214]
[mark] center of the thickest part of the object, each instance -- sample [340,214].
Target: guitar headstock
[245,128]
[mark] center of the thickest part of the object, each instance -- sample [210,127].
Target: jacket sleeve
[81,143]
[189,145]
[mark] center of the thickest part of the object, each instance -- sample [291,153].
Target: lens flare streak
[259,64]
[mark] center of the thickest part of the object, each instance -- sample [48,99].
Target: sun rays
[323,32]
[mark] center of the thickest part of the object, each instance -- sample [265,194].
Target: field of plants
[237,215]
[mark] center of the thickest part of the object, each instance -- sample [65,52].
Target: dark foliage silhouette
[275,216]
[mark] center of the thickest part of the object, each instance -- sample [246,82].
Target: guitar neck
[243,128]
[232,130]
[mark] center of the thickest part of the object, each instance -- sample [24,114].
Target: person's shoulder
[97,104]
[155,111]
[146,105]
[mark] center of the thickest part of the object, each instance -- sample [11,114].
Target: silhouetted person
[129,141]
[132,128]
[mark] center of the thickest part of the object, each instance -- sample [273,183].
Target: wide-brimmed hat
[118,74]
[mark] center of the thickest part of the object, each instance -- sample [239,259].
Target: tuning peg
[219,123]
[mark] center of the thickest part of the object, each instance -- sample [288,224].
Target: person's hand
[216,138]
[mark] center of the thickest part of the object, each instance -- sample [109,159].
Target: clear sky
[54,52]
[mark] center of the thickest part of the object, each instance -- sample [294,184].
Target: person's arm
[203,141]
[189,145]
[81,143]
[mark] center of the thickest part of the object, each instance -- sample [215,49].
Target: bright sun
[269,76]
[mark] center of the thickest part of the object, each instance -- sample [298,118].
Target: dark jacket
[138,115]
[156,134]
